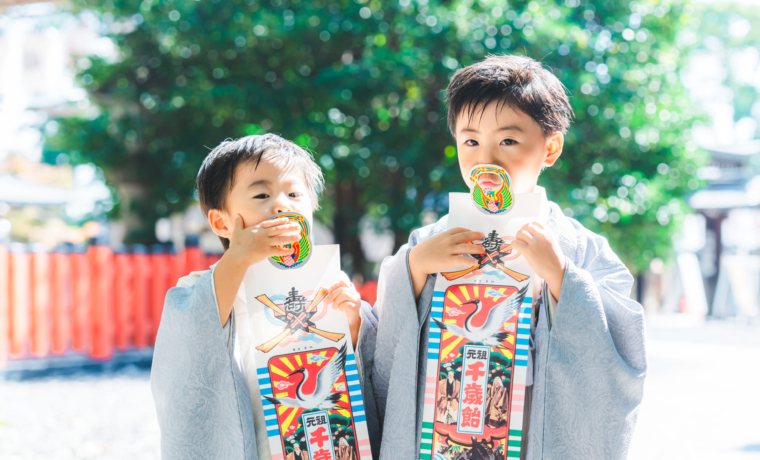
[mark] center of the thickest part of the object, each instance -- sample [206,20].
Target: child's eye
[261,196]
[294,194]
[509,142]
[471,142]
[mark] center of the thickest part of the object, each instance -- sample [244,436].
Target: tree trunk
[346,227]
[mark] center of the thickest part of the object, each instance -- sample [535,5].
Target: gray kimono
[588,365]
[201,395]
[587,381]
[198,379]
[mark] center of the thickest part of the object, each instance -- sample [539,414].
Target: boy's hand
[249,246]
[253,244]
[541,249]
[342,296]
[440,252]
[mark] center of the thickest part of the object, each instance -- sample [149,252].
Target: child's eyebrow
[259,182]
[503,128]
[510,128]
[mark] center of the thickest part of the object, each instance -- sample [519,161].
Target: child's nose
[281,205]
[488,156]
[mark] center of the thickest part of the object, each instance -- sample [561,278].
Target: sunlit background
[108,107]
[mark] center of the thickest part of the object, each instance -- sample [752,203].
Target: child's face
[508,138]
[259,192]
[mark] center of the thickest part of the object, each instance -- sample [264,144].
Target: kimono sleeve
[596,358]
[199,392]
[384,349]
[595,302]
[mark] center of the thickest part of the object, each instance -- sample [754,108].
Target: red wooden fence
[91,300]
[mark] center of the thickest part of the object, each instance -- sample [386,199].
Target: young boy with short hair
[587,342]
[200,384]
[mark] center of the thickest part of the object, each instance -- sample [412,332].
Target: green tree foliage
[361,83]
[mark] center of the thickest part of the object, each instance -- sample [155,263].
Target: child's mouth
[489,181]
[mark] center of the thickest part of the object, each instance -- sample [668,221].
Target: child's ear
[554,144]
[219,224]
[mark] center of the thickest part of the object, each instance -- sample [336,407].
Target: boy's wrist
[414,267]
[417,277]
[236,259]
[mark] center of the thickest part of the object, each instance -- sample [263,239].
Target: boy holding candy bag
[587,359]
[199,381]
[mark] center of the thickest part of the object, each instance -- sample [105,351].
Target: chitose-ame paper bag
[480,329]
[301,353]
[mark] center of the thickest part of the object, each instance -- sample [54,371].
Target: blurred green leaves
[361,84]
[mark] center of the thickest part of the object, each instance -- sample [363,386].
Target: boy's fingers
[524,236]
[536,228]
[463,260]
[343,297]
[524,228]
[285,228]
[287,239]
[519,246]
[275,222]
[238,226]
[467,236]
[456,230]
[525,233]
[339,284]
[334,302]
[333,294]
[468,249]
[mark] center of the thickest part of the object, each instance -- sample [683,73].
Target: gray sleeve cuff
[552,304]
[216,301]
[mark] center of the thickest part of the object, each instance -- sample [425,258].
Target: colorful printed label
[301,248]
[491,189]
[478,342]
[306,370]
[473,383]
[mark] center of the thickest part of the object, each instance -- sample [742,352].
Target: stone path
[702,401]
[104,417]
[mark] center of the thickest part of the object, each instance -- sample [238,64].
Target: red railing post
[194,259]
[101,260]
[123,299]
[177,265]
[20,301]
[161,263]
[141,292]
[62,298]
[41,311]
[81,335]
[5,290]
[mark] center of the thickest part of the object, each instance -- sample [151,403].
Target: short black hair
[517,81]
[217,174]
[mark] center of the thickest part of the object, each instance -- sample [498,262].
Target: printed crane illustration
[296,315]
[490,332]
[496,249]
[322,398]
